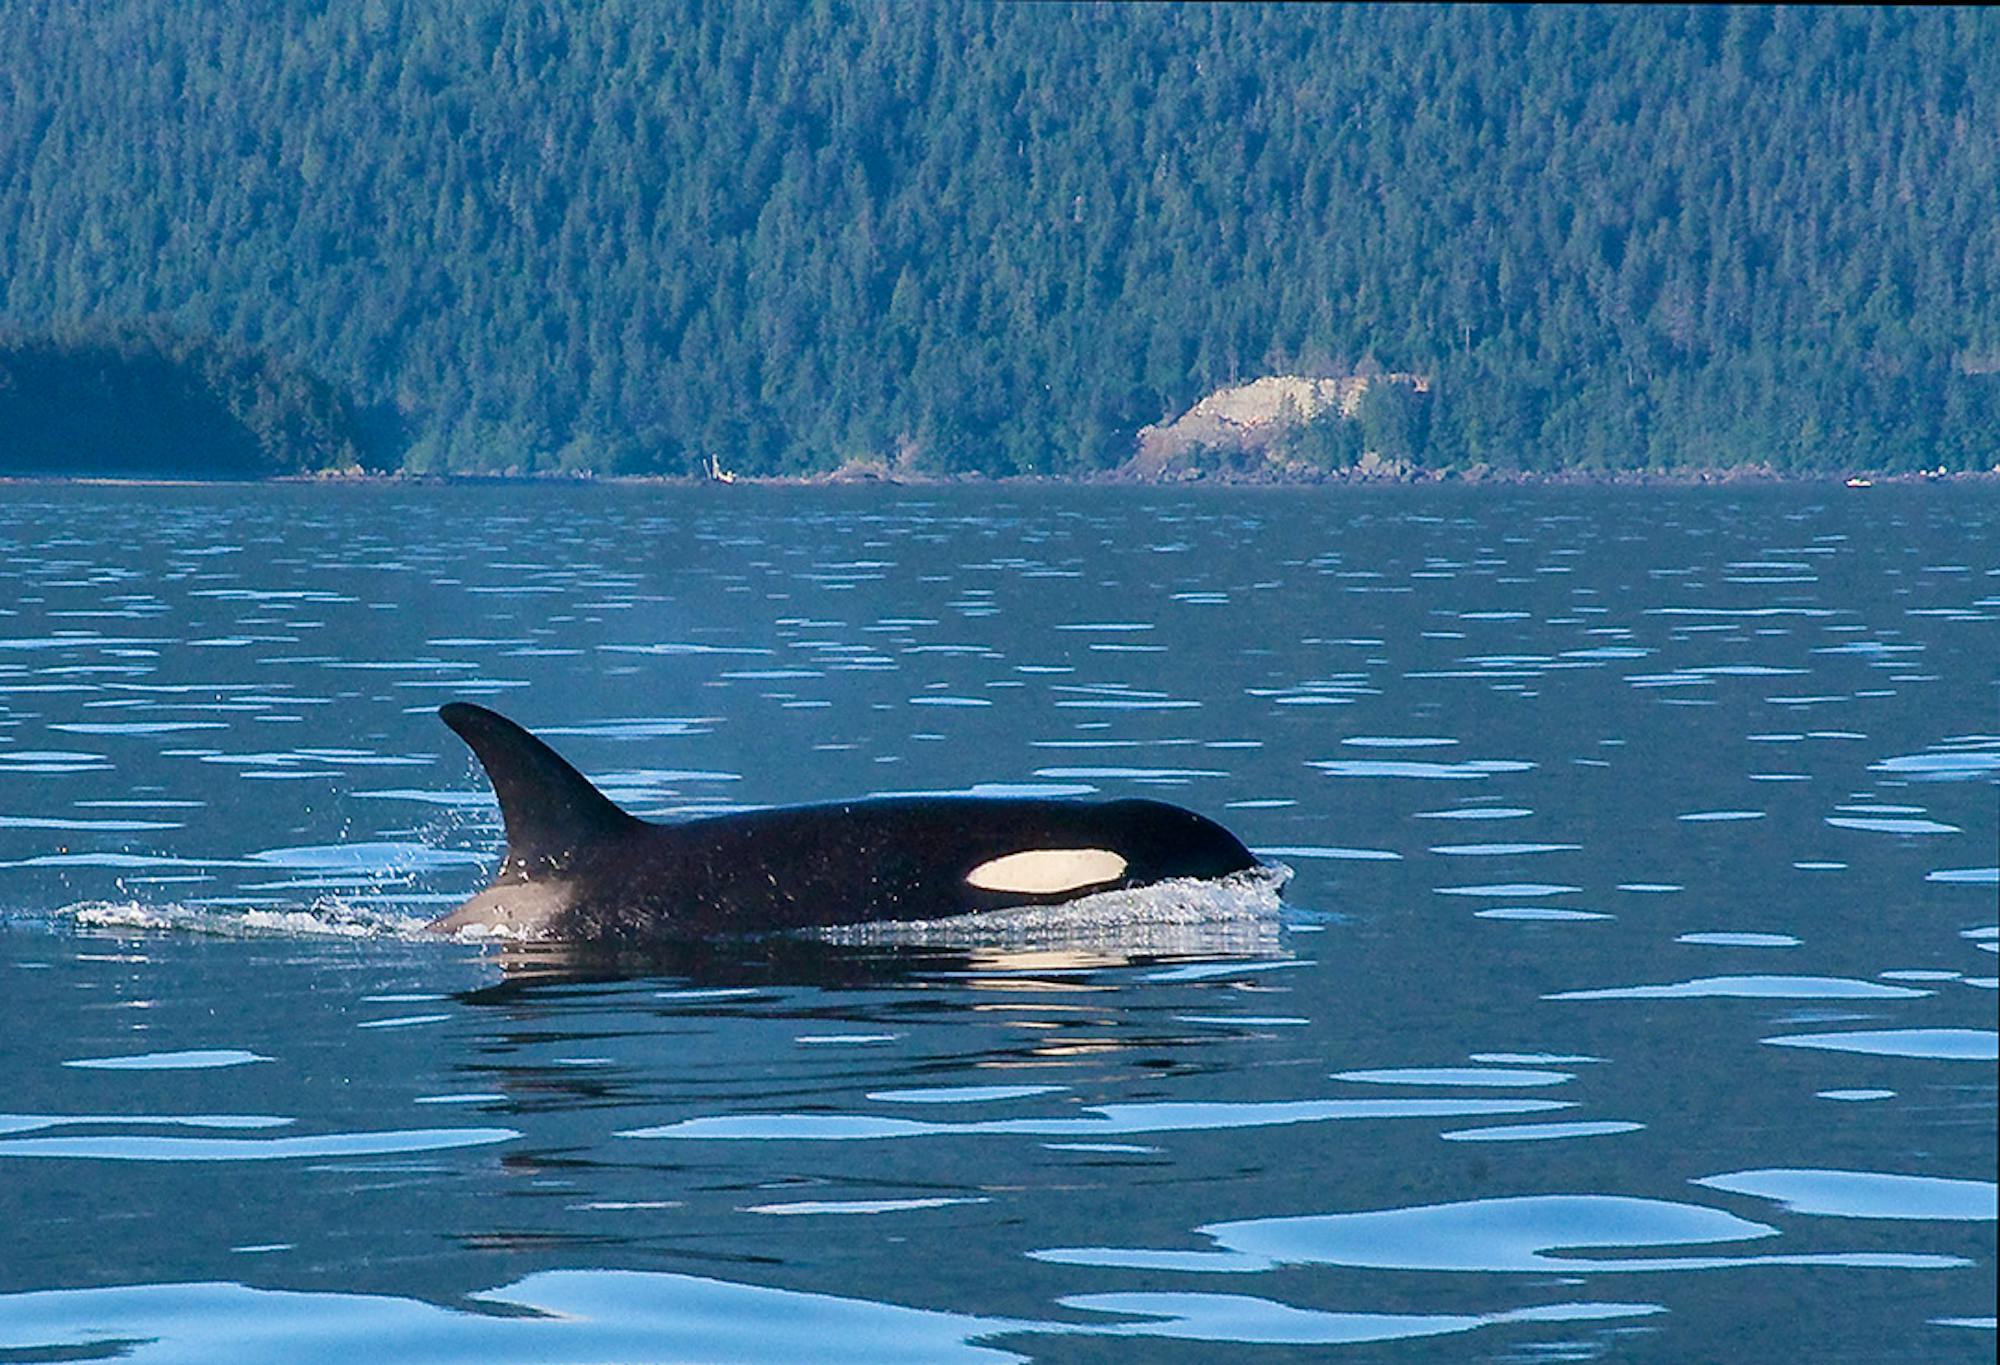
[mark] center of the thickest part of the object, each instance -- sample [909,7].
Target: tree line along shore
[922,241]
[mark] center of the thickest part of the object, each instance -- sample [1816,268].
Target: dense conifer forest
[134,404]
[624,236]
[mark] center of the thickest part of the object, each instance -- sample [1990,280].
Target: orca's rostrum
[579,868]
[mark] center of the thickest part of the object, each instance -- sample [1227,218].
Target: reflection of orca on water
[579,868]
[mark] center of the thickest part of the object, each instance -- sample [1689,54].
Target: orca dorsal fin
[550,809]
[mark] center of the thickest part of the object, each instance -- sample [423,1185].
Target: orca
[580,869]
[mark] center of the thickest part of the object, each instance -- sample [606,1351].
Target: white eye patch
[1047,871]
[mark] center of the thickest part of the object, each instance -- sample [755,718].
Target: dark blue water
[1633,996]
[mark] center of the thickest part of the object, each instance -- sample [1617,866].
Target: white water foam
[325,919]
[1236,915]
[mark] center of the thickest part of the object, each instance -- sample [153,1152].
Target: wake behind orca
[578,868]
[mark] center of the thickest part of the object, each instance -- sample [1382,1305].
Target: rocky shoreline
[1382,476]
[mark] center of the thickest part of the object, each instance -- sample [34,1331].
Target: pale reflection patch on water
[1519,1234]
[1864,1194]
[608,1317]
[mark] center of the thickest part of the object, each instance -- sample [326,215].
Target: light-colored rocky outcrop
[1248,418]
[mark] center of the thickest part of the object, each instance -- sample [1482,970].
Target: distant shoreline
[1704,478]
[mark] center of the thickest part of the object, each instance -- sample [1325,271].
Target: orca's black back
[578,867]
[855,862]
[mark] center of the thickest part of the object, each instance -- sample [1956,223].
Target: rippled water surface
[1633,995]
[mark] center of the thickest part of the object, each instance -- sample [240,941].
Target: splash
[324,919]
[1236,915]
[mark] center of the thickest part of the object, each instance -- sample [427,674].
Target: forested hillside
[135,403]
[623,235]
